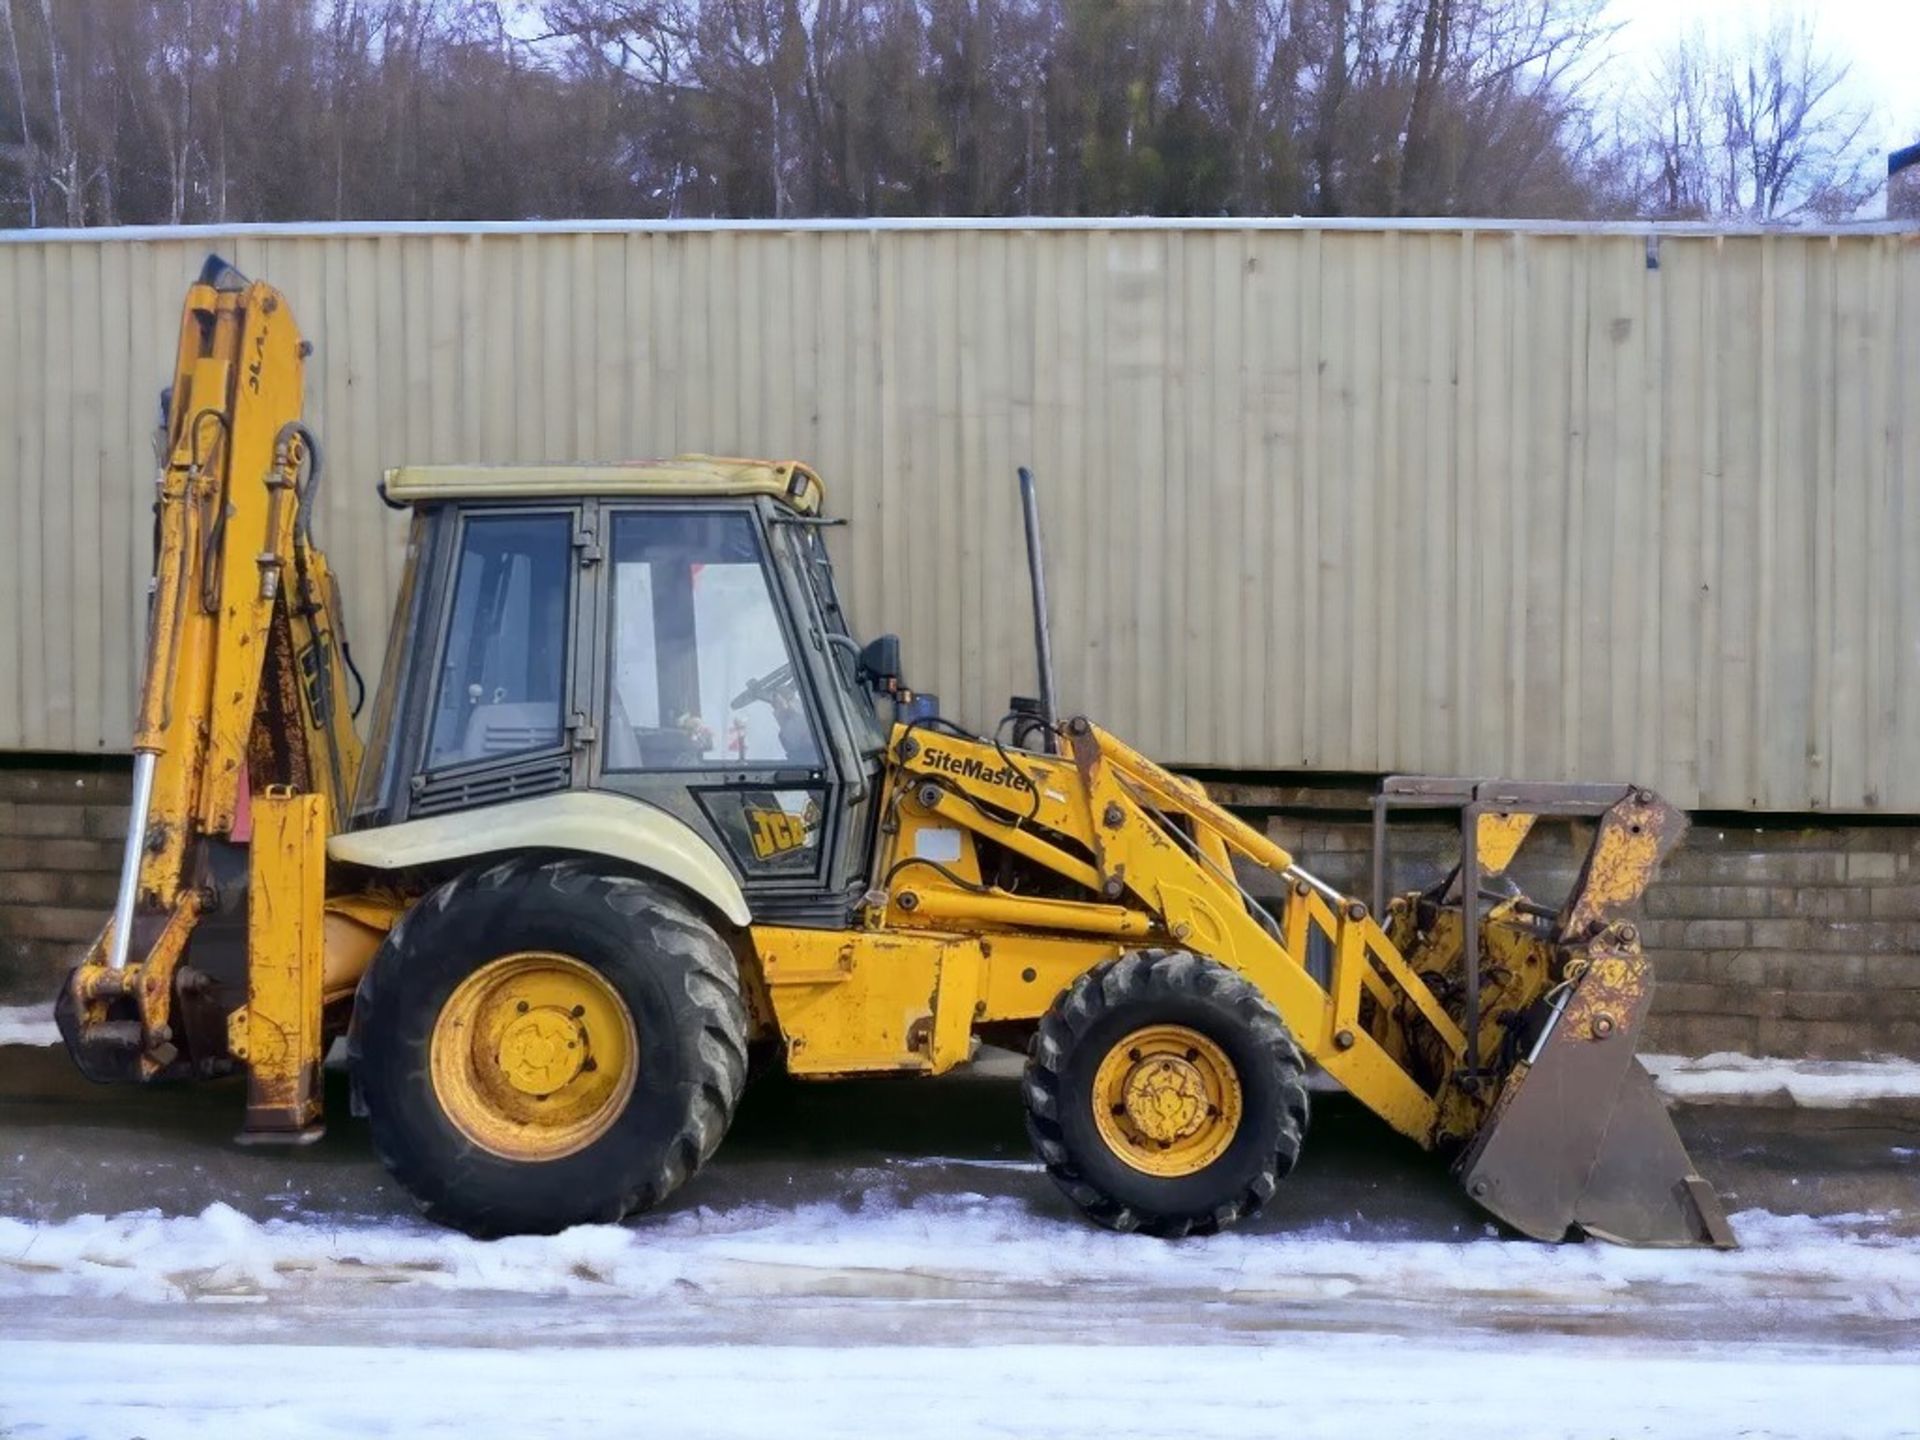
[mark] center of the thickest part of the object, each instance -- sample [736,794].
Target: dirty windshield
[701,670]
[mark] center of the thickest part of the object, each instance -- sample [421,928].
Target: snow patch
[1849,1261]
[1816,1084]
[1305,1384]
[28,1025]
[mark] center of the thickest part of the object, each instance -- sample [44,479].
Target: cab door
[705,704]
[495,712]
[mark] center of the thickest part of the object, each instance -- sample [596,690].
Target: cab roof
[707,476]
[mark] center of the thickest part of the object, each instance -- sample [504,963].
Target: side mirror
[879,665]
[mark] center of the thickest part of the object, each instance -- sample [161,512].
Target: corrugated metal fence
[1558,504]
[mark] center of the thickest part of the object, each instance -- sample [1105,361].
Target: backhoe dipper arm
[244,688]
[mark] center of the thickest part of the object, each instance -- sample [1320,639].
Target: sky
[1879,38]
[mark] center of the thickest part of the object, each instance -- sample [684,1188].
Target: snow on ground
[1851,1264]
[1818,1084]
[880,1318]
[1299,1385]
[28,1025]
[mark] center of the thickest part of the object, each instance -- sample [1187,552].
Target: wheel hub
[542,1050]
[1166,1100]
[534,1056]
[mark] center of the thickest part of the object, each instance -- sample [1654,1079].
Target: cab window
[504,664]
[700,673]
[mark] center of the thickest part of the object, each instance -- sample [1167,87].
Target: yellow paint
[1143,886]
[1167,1100]
[703,476]
[230,560]
[947,904]
[774,832]
[283,1042]
[1497,838]
[534,1056]
[1617,871]
[849,1002]
[1025,972]
[353,928]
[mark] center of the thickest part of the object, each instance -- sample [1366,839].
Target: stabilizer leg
[279,1032]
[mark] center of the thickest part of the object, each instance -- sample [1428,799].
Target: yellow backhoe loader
[628,808]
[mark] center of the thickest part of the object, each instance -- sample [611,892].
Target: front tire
[1165,1095]
[540,1044]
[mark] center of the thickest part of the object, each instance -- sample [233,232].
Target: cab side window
[503,667]
[700,673]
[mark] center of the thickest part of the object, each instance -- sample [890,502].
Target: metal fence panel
[1466,499]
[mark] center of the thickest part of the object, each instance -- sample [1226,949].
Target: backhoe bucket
[1579,1138]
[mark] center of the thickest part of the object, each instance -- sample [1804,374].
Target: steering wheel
[767,689]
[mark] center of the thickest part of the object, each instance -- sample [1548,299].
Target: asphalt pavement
[68,1147]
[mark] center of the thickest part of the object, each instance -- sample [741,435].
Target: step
[31,970]
[78,888]
[58,820]
[33,785]
[74,924]
[25,854]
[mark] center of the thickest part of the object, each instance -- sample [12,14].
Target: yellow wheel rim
[1166,1100]
[534,1056]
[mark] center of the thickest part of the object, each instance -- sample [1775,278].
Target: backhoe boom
[243,700]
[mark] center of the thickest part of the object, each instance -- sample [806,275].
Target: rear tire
[661,1001]
[1190,1150]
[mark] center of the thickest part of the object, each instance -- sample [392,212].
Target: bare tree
[65,173]
[185,110]
[29,156]
[1757,129]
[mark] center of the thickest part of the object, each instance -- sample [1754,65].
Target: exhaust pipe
[1042,635]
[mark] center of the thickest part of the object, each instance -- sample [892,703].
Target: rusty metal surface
[1578,1140]
[1634,836]
[1644,1189]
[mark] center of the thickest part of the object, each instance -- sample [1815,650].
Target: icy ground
[1299,1386]
[28,1025]
[883,1259]
[1818,1084]
[958,1314]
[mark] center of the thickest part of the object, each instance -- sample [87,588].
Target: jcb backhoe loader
[627,809]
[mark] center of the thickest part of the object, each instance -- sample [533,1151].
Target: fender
[590,823]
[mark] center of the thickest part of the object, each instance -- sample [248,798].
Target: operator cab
[668,631]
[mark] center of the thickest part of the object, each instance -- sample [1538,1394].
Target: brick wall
[62,826]
[1770,939]
[1767,939]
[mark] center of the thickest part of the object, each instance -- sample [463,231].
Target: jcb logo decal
[775,832]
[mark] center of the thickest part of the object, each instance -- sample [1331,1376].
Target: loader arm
[1476,1022]
[244,724]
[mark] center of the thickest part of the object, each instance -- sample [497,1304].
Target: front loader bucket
[1579,1138]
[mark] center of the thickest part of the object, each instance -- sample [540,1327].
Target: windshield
[817,565]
